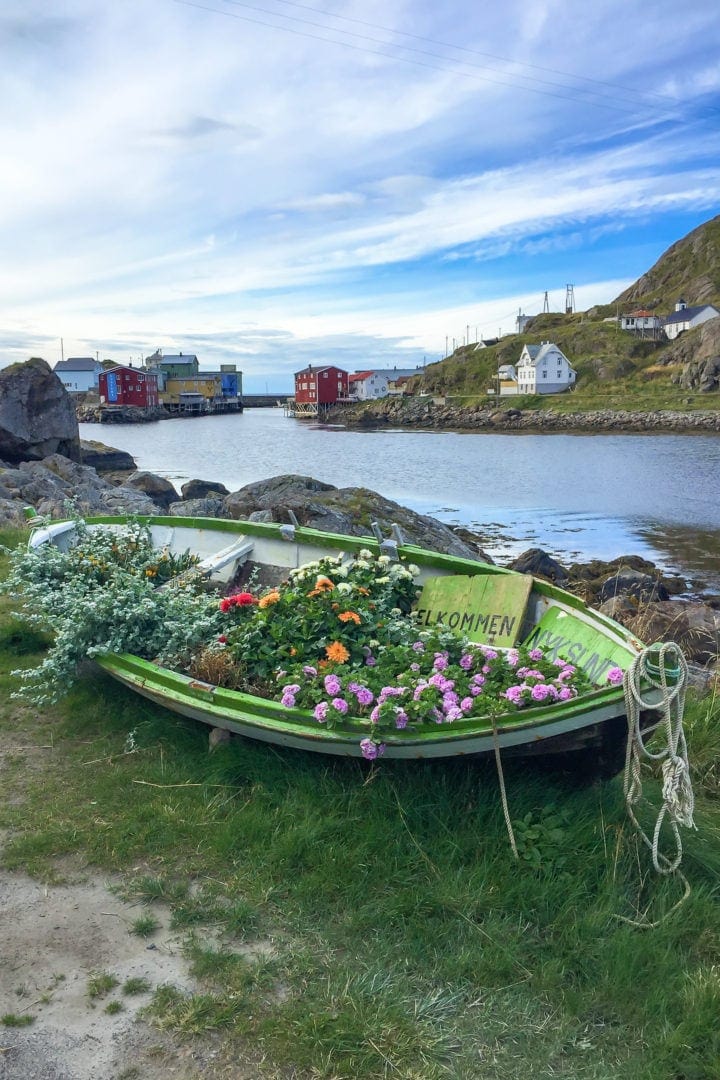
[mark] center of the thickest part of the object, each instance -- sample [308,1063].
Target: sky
[357,182]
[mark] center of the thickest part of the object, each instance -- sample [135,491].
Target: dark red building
[320,385]
[128,386]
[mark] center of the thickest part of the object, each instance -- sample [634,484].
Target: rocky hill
[616,369]
[689,269]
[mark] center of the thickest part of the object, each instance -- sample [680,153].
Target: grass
[346,921]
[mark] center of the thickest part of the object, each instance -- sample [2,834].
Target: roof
[78,363]
[129,367]
[688,313]
[641,314]
[176,358]
[537,352]
[358,376]
[310,370]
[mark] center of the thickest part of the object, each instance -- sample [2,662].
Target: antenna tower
[546,304]
[569,300]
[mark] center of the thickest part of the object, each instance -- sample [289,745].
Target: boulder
[693,625]
[105,458]
[37,415]
[160,490]
[537,562]
[57,487]
[200,489]
[633,583]
[348,511]
[214,508]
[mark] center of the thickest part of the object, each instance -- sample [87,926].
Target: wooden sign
[488,609]
[561,634]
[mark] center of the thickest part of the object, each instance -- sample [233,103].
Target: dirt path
[54,939]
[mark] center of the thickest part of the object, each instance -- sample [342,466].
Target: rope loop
[660,671]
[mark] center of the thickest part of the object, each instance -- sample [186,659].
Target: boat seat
[232,554]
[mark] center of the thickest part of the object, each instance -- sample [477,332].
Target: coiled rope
[662,668]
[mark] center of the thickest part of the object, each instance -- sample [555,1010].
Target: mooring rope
[664,668]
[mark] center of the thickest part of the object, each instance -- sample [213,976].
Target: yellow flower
[337,652]
[349,616]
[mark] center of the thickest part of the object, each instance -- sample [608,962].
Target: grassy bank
[352,921]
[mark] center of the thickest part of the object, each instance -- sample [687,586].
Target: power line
[665,98]
[451,64]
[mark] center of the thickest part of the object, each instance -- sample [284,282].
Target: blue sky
[273,183]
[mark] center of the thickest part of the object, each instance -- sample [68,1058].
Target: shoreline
[433,416]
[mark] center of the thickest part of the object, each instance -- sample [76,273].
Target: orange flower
[363,591]
[349,616]
[337,652]
[269,598]
[293,650]
[324,583]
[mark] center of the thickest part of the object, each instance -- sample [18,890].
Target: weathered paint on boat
[580,723]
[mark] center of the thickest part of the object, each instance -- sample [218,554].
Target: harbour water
[577,496]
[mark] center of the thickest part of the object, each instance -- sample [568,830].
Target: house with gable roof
[78,374]
[544,369]
[687,318]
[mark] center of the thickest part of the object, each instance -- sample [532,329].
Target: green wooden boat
[493,606]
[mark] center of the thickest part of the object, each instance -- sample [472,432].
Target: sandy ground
[53,939]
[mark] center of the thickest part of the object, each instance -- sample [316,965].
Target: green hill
[616,369]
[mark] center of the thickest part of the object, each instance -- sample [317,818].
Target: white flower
[383,560]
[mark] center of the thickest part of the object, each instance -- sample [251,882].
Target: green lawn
[373,919]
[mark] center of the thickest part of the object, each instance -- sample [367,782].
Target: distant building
[543,369]
[521,322]
[376,382]
[128,386]
[642,322]
[317,388]
[78,374]
[687,318]
[177,365]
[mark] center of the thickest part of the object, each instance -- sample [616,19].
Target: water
[577,496]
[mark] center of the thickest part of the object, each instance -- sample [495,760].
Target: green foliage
[17,1020]
[136,985]
[100,596]
[145,926]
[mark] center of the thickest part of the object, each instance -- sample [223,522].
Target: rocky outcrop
[425,413]
[120,414]
[157,488]
[349,511]
[200,489]
[37,415]
[57,487]
[105,458]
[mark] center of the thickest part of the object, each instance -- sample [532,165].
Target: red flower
[241,599]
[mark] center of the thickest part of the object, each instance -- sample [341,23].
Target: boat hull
[578,724]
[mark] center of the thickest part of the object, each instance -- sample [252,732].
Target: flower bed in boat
[337,637]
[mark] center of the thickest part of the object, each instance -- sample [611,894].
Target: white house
[78,374]
[641,322]
[543,369]
[371,384]
[687,318]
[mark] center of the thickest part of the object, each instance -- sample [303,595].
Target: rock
[37,415]
[160,490]
[635,584]
[105,458]
[537,562]
[693,625]
[57,487]
[348,511]
[200,489]
[265,494]
[199,508]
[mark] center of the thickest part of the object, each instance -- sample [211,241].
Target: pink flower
[371,750]
[340,704]
[536,654]
[332,684]
[320,711]
[615,676]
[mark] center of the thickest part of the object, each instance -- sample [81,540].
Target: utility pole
[546,304]
[62,350]
[569,299]
[446,345]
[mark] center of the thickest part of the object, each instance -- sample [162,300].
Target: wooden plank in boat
[562,634]
[486,609]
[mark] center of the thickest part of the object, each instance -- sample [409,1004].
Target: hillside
[689,269]
[616,369]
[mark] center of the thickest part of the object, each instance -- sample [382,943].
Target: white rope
[652,668]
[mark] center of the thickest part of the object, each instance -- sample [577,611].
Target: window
[325,374]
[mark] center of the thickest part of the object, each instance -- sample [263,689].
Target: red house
[320,385]
[128,386]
